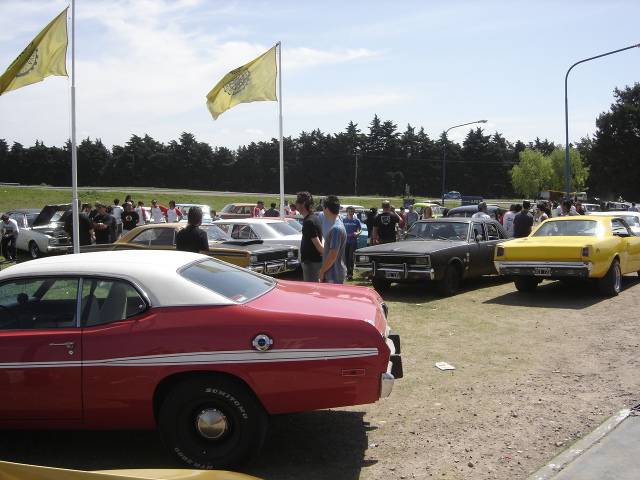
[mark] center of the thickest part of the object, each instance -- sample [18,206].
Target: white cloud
[332,103]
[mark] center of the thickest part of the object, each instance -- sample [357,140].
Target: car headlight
[253,258]
[363,259]
[422,260]
[290,254]
[53,241]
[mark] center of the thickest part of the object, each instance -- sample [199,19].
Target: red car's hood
[321,299]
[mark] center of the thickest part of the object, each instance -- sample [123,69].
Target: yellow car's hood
[19,471]
[546,248]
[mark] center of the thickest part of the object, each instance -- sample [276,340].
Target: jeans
[9,248]
[311,271]
[349,257]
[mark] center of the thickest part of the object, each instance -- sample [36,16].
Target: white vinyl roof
[251,220]
[153,271]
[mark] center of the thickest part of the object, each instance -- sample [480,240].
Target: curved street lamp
[444,153]
[567,161]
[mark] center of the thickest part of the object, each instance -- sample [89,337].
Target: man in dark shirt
[192,238]
[104,225]
[523,221]
[85,225]
[371,218]
[384,226]
[311,247]
[272,212]
[129,218]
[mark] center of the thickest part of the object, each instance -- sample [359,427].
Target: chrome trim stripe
[204,358]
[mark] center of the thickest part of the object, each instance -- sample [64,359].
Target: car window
[31,217]
[106,301]
[618,227]
[225,227]
[282,228]
[567,228]
[439,230]
[242,232]
[215,233]
[19,218]
[246,210]
[228,208]
[153,237]
[478,230]
[297,226]
[234,283]
[38,303]
[632,220]
[492,232]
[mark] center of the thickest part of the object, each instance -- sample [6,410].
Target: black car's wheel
[611,284]
[380,284]
[34,250]
[526,284]
[212,423]
[450,282]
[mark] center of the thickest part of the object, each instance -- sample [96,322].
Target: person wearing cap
[104,225]
[482,212]
[353,228]
[192,238]
[10,231]
[385,225]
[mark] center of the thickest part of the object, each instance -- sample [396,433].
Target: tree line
[388,160]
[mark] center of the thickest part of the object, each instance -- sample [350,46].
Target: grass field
[36,197]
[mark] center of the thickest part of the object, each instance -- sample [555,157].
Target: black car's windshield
[215,233]
[439,230]
[567,228]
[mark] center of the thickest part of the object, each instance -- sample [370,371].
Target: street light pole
[444,154]
[355,178]
[567,161]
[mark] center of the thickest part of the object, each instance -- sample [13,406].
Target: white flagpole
[74,153]
[279,45]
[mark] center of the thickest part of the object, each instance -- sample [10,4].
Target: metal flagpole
[279,45]
[74,153]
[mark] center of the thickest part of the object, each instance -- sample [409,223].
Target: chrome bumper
[397,271]
[275,267]
[544,269]
[394,367]
[59,249]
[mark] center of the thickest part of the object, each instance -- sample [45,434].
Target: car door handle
[69,345]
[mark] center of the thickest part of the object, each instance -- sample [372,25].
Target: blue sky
[145,66]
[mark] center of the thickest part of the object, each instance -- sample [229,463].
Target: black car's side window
[478,233]
[38,303]
[492,232]
[105,301]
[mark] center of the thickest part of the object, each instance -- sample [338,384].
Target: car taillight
[500,251]
[585,251]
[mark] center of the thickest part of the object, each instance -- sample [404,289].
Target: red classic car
[196,347]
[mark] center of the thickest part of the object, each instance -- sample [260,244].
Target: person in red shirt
[258,210]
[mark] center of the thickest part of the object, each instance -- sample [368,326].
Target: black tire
[380,284]
[34,250]
[611,284]
[245,418]
[526,284]
[450,282]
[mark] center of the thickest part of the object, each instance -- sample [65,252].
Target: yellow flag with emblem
[44,56]
[253,82]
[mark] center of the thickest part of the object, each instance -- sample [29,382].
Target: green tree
[579,171]
[532,174]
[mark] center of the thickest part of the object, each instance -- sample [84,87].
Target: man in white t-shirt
[507,220]
[156,212]
[173,213]
[482,211]
[9,230]
[116,212]
[142,214]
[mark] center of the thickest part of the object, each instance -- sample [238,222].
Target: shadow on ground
[314,445]
[559,295]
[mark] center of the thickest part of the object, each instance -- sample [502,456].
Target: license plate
[542,271]
[395,275]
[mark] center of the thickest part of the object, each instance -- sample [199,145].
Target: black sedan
[445,250]
[468,211]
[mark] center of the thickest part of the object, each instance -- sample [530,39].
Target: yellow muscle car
[251,254]
[577,247]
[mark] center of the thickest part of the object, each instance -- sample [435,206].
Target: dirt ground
[533,374]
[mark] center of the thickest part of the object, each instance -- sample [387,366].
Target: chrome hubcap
[618,279]
[211,423]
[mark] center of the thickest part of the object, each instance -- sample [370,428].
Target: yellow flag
[44,56]
[252,82]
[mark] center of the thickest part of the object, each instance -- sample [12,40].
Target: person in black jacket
[192,238]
